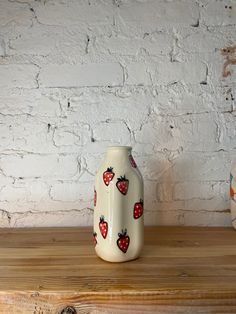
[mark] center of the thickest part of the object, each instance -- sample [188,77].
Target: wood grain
[55,270]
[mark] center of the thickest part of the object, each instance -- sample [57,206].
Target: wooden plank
[181,270]
[105,303]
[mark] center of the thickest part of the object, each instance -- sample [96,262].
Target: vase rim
[119,148]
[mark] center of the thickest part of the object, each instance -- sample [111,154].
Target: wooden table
[55,270]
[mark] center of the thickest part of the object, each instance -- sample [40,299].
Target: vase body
[233,194]
[118,207]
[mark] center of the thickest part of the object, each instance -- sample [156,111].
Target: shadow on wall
[188,190]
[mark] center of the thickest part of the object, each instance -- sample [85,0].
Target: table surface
[55,270]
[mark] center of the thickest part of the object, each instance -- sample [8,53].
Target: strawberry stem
[122,178]
[123,233]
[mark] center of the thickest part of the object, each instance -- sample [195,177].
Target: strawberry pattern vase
[118,207]
[232,193]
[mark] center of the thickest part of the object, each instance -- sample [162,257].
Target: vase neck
[118,151]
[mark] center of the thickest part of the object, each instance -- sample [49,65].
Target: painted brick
[187,72]
[198,167]
[27,133]
[5,181]
[203,218]
[33,104]
[218,13]
[91,161]
[15,13]
[53,42]
[151,15]
[76,13]
[153,44]
[57,218]
[156,167]
[72,136]
[165,192]
[166,73]
[138,74]
[30,165]
[161,217]
[14,75]
[216,203]
[118,131]
[166,133]
[193,190]
[203,42]
[91,107]
[73,191]
[2,47]
[81,75]
[4,219]
[24,192]
[179,99]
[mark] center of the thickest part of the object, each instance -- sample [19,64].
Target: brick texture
[78,76]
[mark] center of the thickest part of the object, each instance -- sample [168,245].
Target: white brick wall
[18,75]
[88,75]
[79,75]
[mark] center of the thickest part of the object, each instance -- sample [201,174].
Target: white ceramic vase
[233,194]
[118,207]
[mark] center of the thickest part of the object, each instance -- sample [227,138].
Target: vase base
[116,260]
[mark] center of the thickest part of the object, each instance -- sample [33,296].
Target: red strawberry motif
[95,238]
[122,185]
[108,175]
[95,198]
[132,161]
[231,193]
[138,209]
[103,226]
[123,241]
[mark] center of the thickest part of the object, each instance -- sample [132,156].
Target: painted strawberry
[95,198]
[232,192]
[231,188]
[108,175]
[132,161]
[122,185]
[123,241]
[138,209]
[103,226]
[95,238]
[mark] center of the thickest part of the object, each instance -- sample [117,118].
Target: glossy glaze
[118,214]
[233,194]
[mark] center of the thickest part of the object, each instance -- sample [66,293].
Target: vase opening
[119,148]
